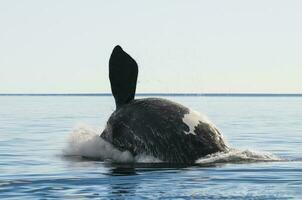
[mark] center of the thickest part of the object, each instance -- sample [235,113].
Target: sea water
[49,148]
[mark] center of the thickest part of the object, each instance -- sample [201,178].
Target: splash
[86,142]
[146,159]
[238,156]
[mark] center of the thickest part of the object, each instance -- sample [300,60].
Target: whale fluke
[123,72]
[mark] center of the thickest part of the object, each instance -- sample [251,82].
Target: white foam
[85,141]
[146,159]
[237,156]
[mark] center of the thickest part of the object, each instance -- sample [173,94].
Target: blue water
[34,131]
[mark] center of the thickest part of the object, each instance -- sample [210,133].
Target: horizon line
[160,94]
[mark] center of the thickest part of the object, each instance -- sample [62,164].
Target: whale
[157,127]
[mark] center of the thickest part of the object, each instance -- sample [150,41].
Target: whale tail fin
[123,72]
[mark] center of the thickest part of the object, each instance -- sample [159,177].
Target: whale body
[155,127]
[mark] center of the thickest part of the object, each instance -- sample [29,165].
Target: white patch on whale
[193,118]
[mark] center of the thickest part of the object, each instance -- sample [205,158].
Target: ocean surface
[43,138]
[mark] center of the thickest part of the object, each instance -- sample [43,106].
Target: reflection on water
[34,130]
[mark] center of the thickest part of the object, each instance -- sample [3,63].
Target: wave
[85,141]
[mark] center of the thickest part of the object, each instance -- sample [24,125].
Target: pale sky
[63,46]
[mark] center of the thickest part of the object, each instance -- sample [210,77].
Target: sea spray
[86,142]
[237,156]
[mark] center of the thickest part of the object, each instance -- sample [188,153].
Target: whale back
[123,72]
[160,128]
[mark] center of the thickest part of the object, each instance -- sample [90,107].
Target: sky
[234,46]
